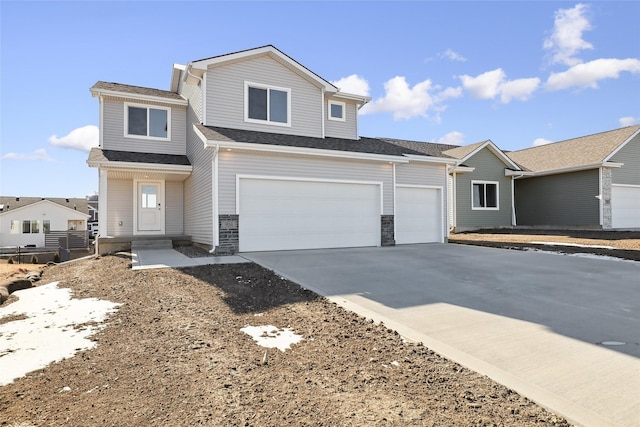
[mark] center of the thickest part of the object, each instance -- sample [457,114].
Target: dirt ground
[174,355]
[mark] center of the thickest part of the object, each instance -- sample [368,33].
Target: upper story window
[337,111]
[484,195]
[147,122]
[267,104]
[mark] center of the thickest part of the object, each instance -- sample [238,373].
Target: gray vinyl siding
[567,199]
[488,167]
[225,96]
[629,173]
[233,163]
[174,207]
[113,130]
[193,94]
[119,200]
[337,129]
[427,175]
[198,190]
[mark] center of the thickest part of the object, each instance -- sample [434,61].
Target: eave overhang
[128,95]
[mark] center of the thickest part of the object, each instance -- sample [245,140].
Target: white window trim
[344,111]
[247,85]
[497,208]
[147,107]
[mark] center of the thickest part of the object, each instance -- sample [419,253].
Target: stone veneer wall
[607,220]
[229,240]
[387,235]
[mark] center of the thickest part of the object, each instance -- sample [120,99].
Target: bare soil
[174,355]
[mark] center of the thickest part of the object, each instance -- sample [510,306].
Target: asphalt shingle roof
[582,151]
[362,145]
[428,148]
[97,155]
[136,90]
[15,202]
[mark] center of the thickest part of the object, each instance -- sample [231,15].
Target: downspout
[214,199]
[393,170]
[514,222]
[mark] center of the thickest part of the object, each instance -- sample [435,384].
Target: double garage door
[625,206]
[284,214]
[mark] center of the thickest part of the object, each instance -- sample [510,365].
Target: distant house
[40,222]
[480,183]
[252,151]
[587,182]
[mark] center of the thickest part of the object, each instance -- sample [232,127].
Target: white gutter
[128,95]
[141,166]
[429,159]
[571,169]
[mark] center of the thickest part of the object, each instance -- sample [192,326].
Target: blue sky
[518,73]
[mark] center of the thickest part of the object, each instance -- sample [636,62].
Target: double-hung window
[337,111]
[484,195]
[267,104]
[147,122]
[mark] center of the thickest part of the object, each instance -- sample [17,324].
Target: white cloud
[490,84]
[83,138]
[452,138]
[354,84]
[452,55]
[566,40]
[541,141]
[406,102]
[38,155]
[627,121]
[589,73]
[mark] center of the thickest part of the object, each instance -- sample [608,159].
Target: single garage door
[282,214]
[625,206]
[418,215]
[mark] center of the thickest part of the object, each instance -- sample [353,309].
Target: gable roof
[585,151]
[468,151]
[139,92]
[11,204]
[246,138]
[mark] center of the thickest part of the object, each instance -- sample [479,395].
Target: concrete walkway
[148,258]
[563,331]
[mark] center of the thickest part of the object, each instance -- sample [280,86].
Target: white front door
[150,207]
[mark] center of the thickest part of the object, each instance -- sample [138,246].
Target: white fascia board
[352,97]
[128,95]
[265,50]
[141,166]
[175,76]
[461,169]
[517,173]
[303,151]
[576,168]
[428,159]
[613,153]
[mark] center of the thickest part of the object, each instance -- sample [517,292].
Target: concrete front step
[151,244]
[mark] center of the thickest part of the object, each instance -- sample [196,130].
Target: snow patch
[574,245]
[56,327]
[272,337]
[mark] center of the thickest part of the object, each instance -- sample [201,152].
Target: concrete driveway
[561,330]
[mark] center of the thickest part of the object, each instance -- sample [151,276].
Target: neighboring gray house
[252,151]
[480,183]
[587,182]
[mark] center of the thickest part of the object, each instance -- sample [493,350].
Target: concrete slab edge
[572,412]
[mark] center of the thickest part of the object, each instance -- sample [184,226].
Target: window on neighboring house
[267,104]
[30,227]
[337,111]
[15,226]
[147,122]
[46,226]
[484,195]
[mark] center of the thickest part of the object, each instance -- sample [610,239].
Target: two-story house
[252,151]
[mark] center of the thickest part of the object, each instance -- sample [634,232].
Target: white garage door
[280,214]
[625,206]
[418,215]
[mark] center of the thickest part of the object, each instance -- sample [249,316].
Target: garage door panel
[418,215]
[287,214]
[625,206]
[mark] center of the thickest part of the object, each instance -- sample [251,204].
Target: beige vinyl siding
[337,129]
[232,163]
[119,202]
[488,167]
[198,190]
[174,207]
[225,96]
[427,175]
[113,130]
[629,173]
[567,199]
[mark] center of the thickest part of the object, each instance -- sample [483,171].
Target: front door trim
[137,185]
